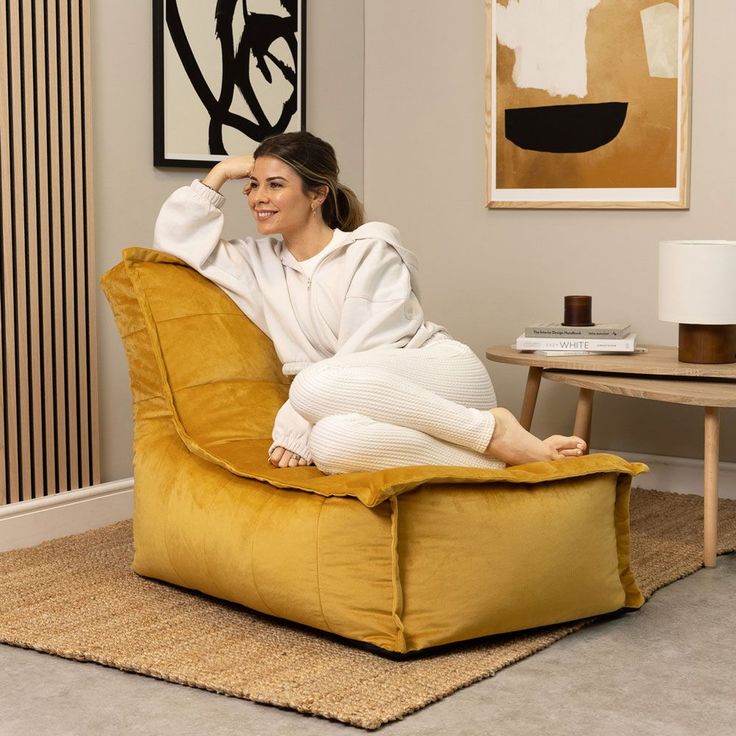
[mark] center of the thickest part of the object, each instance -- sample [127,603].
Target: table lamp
[697,288]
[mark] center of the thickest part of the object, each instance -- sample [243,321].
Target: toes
[560,443]
[575,452]
[562,447]
[282,458]
[572,447]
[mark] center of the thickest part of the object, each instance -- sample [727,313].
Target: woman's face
[277,198]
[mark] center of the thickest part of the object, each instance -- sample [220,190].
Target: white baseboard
[27,523]
[32,522]
[679,474]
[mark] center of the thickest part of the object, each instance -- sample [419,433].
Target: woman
[376,385]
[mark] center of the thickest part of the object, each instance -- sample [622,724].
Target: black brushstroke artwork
[260,32]
[565,128]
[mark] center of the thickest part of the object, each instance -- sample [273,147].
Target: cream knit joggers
[394,407]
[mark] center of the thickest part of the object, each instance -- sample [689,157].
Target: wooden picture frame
[587,103]
[225,81]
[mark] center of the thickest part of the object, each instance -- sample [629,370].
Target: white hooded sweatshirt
[361,294]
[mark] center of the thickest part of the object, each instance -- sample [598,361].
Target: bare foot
[283,458]
[512,444]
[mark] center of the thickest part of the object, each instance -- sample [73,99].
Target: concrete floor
[669,669]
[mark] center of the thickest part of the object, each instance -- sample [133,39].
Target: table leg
[710,485]
[530,397]
[584,415]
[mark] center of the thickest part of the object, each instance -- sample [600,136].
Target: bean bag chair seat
[401,559]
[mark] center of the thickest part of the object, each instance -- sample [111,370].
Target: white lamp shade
[697,282]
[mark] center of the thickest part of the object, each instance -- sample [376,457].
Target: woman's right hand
[235,167]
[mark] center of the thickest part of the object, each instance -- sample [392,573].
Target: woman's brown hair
[315,161]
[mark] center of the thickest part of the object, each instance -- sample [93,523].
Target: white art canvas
[228,74]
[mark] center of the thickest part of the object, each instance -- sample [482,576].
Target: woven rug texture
[77,597]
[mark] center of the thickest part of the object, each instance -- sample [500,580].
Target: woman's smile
[262,215]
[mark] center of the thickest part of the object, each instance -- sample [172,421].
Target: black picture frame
[261,55]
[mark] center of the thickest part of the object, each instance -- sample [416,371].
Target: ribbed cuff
[214,198]
[485,428]
[297,445]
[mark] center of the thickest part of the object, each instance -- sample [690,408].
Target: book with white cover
[556,329]
[590,345]
[573,353]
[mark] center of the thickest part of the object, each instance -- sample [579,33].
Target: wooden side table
[656,375]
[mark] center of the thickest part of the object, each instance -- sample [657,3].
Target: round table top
[693,392]
[658,360]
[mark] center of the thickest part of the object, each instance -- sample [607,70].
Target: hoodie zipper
[316,317]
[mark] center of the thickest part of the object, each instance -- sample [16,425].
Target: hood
[389,234]
[384,231]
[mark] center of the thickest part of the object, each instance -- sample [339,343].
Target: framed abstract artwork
[587,103]
[227,74]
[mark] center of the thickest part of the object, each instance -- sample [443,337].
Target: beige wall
[488,273]
[485,273]
[129,190]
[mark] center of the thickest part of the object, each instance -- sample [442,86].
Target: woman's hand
[235,167]
[283,458]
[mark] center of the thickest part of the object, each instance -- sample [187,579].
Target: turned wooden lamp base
[707,343]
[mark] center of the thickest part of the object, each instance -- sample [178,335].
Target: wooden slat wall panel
[8,405]
[44,235]
[48,396]
[55,181]
[91,424]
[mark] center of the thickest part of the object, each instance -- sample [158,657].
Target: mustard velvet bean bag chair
[402,559]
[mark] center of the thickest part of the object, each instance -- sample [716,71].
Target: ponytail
[343,209]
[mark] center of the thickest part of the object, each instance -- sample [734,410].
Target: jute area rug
[77,598]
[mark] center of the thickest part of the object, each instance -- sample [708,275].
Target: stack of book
[558,339]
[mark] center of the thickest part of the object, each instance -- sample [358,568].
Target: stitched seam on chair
[319,585]
[167,524]
[239,315]
[208,559]
[228,380]
[225,441]
[397,607]
[157,397]
[632,594]
[155,345]
[125,335]
[252,556]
